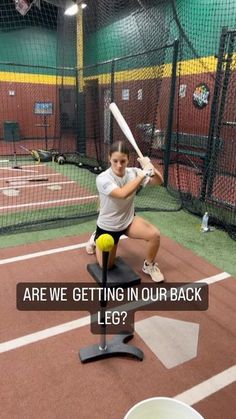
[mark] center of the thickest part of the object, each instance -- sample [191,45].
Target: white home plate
[172,341]
[11,192]
[54,187]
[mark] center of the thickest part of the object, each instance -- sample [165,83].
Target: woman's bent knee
[155,235]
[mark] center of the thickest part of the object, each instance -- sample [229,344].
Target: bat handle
[139,153]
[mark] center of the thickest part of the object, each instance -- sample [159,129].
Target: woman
[117,187]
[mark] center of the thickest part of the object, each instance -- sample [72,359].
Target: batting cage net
[170,68]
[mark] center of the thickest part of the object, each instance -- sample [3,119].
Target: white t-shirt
[115,213]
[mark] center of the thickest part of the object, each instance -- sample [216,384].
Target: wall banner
[201,96]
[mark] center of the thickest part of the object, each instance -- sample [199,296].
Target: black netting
[203,146]
[170,68]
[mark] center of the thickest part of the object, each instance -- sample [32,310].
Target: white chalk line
[46,252]
[65,327]
[36,165]
[34,337]
[190,396]
[35,185]
[30,178]
[19,170]
[43,253]
[41,203]
[215,278]
[28,181]
[43,334]
[208,387]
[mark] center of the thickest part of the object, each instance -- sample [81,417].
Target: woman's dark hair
[119,146]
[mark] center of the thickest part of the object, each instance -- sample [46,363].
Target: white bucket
[162,408]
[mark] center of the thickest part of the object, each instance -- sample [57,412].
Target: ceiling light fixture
[72,9]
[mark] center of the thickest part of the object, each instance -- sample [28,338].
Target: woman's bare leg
[112,256]
[142,229]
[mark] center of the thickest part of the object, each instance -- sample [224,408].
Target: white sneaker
[91,245]
[153,270]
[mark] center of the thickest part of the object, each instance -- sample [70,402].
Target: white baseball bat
[124,127]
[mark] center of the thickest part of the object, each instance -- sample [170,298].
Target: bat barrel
[124,127]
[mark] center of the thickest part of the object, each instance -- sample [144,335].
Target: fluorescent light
[83,5]
[72,10]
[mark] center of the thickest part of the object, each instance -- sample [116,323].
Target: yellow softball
[105,242]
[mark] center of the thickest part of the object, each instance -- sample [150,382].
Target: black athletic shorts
[115,234]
